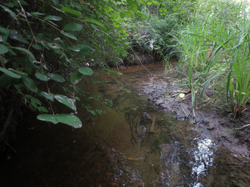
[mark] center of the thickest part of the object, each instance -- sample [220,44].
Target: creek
[131,144]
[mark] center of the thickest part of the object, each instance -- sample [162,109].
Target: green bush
[55,41]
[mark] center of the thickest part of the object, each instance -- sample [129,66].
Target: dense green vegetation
[213,48]
[48,43]
[52,42]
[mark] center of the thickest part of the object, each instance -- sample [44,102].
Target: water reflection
[131,144]
[203,159]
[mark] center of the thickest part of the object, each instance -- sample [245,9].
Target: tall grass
[214,49]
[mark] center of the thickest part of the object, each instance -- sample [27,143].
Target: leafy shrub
[55,41]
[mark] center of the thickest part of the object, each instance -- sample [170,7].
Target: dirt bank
[208,121]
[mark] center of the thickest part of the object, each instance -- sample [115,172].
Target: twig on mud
[242,127]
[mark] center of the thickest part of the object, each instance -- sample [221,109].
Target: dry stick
[242,127]
[30,44]
[245,109]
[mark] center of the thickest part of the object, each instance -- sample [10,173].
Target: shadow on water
[131,144]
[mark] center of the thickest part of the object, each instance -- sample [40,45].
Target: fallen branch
[248,125]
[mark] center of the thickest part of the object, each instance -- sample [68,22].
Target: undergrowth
[213,48]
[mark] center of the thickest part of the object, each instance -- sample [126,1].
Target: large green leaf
[76,49]
[85,49]
[14,34]
[69,10]
[18,72]
[11,5]
[56,77]
[6,81]
[42,109]
[10,73]
[85,71]
[3,49]
[69,35]
[9,11]
[48,117]
[75,77]
[36,46]
[53,18]
[73,27]
[35,100]
[54,45]
[42,77]
[97,23]
[37,14]
[69,120]
[4,34]
[48,96]
[66,101]
[23,3]
[25,51]
[31,85]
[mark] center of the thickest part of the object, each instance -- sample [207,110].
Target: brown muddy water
[131,144]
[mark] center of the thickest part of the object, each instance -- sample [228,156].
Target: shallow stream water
[131,144]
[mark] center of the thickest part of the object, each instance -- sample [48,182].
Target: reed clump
[214,47]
